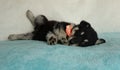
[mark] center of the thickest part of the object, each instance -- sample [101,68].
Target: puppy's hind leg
[39,20]
[26,36]
[31,17]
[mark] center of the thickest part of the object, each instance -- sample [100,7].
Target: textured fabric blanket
[36,55]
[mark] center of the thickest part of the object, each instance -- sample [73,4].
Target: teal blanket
[36,55]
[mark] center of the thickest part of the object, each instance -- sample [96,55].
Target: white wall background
[104,15]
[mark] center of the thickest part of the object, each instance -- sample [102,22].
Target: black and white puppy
[54,32]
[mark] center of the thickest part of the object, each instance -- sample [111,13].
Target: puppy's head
[78,33]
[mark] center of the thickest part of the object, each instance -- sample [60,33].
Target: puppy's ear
[84,23]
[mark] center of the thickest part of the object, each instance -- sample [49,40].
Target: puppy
[54,32]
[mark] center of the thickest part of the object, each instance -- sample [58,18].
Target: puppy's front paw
[64,41]
[12,37]
[52,41]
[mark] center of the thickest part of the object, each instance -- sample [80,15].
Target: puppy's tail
[100,41]
[31,17]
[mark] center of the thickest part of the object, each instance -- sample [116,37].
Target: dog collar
[69,30]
